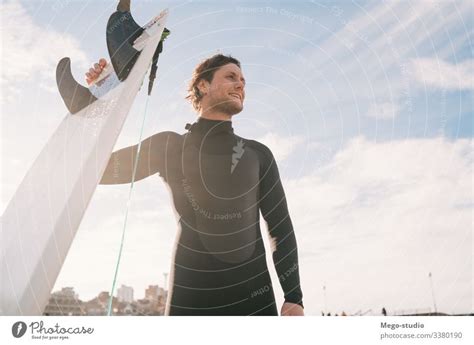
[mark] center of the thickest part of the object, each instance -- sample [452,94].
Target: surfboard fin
[75,96]
[122,31]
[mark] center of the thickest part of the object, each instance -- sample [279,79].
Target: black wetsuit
[219,183]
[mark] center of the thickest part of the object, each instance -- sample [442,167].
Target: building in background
[65,303]
[99,305]
[125,294]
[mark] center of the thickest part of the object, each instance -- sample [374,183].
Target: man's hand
[291,309]
[94,73]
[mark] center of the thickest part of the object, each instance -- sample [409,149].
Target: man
[218,182]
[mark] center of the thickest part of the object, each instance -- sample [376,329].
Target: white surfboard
[40,222]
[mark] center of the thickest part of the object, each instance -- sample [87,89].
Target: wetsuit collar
[210,127]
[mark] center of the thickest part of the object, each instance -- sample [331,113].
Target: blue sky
[367,106]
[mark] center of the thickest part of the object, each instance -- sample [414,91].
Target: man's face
[226,91]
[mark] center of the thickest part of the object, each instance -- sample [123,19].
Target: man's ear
[203,87]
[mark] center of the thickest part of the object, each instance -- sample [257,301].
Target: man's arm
[285,253]
[120,167]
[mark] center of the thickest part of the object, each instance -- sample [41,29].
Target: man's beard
[227,107]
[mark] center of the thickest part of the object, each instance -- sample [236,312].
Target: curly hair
[205,70]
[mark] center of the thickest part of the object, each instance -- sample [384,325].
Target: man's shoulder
[263,152]
[259,147]
[169,137]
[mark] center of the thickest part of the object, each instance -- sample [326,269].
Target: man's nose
[239,85]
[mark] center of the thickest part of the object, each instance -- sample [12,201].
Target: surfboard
[41,220]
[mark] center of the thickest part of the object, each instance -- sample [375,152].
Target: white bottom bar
[238,330]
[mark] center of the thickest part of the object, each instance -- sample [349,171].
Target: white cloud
[150,234]
[378,218]
[281,146]
[31,51]
[444,75]
[364,61]
[383,110]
